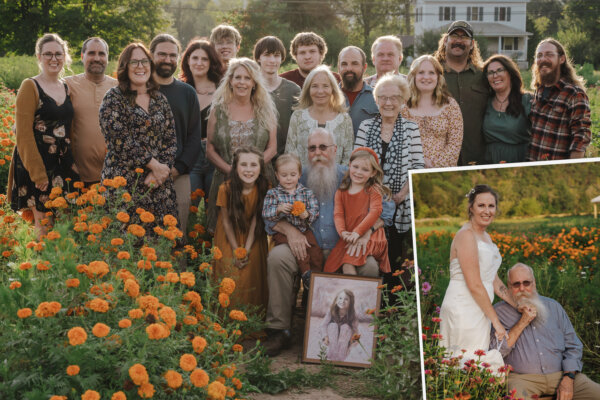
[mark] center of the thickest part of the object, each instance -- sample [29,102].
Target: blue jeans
[202,172]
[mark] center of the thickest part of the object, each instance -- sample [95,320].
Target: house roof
[596,200]
[495,29]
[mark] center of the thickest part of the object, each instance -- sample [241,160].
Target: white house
[501,22]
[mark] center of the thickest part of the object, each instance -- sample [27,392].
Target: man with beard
[87,91]
[560,113]
[386,53]
[309,50]
[459,54]
[323,177]
[186,110]
[542,346]
[352,64]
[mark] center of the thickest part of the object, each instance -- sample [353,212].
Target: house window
[474,13]
[510,43]
[501,13]
[419,14]
[447,13]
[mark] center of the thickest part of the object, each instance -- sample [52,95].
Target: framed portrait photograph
[339,325]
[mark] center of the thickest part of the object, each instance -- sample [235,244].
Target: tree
[585,16]
[191,19]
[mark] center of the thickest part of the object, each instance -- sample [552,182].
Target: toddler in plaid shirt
[298,205]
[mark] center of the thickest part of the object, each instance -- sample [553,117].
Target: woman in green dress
[506,128]
[242,114]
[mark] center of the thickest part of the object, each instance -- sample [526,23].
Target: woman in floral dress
[139,129]
[42,158]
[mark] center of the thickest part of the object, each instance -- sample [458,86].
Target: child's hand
[241,263]
[304,215]
[284,208]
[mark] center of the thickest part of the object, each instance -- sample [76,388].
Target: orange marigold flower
[144,264]
[15,285]
[204,266]
[174,379]
[187,278]
[172,277]
[147,217]
[123,217]
[25,266]
[146,390]
[396,288]
[229,371]
[73,282]
[78,185]
[148,302]
[190,320]
[199,344]
[298,208]
[156,331]
[118,396]
[168,315]
[240,253]
[98,268]
[123,255]
[124,323]
[135,313]
[238,315]
[90,395]
[216,252]
[77,336]
[126,197]
[223,300]
[199,378]
[47,309]
[95,228]
[72,370]
[24,313]
[43,266]
[169,220]
[136,230]
[119,181]
[53,235]
[193,209]
[100,329]
[58,398]
[227,286]
[187,362]
[217,391]
[237,347]
[98,305]
[132,288]
[237,383]
[139,170]
[138,374]
[116,241]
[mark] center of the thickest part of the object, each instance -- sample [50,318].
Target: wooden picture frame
[352,342]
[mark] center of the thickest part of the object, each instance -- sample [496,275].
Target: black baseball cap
[462,25]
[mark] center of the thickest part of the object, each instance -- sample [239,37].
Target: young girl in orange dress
[358,205]
[240,233]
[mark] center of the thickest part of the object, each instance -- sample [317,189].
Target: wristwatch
[372,229]
[570,375]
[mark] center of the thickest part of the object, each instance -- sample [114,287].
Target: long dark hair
[350,317]
[235,205]
[479,189]
[515,104]
[123,72]
[215,70]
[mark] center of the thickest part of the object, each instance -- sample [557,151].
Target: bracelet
[570,375]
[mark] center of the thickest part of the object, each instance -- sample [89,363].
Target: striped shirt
[560,122]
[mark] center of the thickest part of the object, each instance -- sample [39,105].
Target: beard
[548,78]
[322,179]
[350,80]
[165,70]
[533,299]
[96,68]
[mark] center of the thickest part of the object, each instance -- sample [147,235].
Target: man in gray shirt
[542,346]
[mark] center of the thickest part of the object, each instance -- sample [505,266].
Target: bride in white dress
[467,312]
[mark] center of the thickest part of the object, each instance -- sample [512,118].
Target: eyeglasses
[548,54]
[496,72]
[321,147]
[517,285]
[136,63]
[163,55]
[455,36]
[392,99]
[48,55]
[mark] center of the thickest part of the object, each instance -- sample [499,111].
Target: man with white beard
[323,176]
[542,346]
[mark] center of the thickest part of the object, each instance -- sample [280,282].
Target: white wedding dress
[464,326]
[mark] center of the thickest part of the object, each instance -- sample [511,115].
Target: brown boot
[278,340]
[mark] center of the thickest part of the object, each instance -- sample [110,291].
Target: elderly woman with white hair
[397,143]
[322,104]
[242,114]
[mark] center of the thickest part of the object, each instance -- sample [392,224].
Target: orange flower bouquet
[298,208]
[240,253]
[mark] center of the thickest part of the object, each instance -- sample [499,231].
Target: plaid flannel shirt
[560,122]
[278,195]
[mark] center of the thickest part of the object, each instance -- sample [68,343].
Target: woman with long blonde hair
[242,114]
[438,115]
[321,105]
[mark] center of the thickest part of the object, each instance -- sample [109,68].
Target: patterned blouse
[302,124]
[404,152]
[441,135]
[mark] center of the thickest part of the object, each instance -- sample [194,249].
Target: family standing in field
[319,161]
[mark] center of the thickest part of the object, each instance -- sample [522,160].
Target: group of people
[529,332]
[259,143]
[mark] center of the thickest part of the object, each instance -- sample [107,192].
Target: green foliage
[428,42]
[190,19]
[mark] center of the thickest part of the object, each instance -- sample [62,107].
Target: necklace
[208,92]
[501,104]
